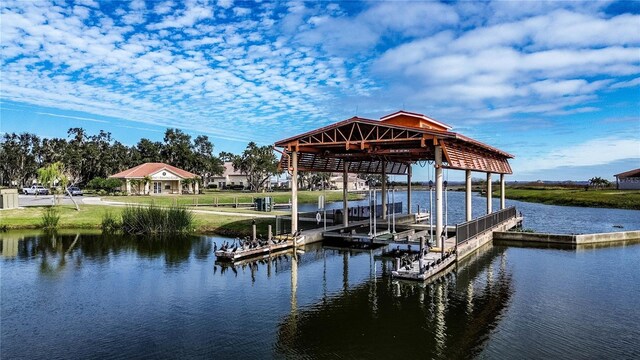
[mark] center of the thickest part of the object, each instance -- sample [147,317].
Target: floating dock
[257,252]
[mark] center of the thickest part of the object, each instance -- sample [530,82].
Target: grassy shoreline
[90,216]
[605,198]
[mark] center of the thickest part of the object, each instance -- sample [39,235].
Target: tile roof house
[162,179]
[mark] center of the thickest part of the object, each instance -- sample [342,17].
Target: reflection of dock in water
[450,317]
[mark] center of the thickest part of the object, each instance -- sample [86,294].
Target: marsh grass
[155,220]
[110,223]
[50,218]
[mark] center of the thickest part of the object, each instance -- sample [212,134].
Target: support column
[439,179]
[467,193]
[502,195]
[180,187]
[197,185]
[409,189]
[294,192]
[384,190]
[489,195]
[345,194]
[128,187]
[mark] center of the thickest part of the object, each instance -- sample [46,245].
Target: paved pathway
[99,201]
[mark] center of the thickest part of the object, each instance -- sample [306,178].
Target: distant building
[629,180]
[353,182]
[282,181]
[230,178]
[157,179]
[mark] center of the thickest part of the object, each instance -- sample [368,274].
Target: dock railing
[469,229]
[308,220]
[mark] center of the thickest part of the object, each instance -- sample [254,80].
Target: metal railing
[469,229]
[307,220]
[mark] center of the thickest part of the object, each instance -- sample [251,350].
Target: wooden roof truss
[369,145]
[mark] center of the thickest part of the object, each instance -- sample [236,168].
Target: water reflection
[450,318]
[124,297]
[55,250]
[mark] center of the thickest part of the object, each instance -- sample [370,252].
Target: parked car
[75,191]
[35,190]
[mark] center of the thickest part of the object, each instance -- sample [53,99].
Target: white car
[35,190]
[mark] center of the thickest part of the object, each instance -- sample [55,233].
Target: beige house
[157,179]
[230,178]
[353,182]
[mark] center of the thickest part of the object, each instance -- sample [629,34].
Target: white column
[439,179]
[294,192]
[128,187]
[345,194]
[146,188]
[489,195]
[467,190]
[384,190]
[502,195]
[179,186]
[409,188]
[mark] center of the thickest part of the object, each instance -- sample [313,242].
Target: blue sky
[555,83]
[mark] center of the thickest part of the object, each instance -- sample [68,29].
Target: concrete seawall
[566,239]
[479,240]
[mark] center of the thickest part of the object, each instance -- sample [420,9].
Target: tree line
[88,156]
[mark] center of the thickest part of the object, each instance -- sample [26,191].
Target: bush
[110,224]
[153,220]
[108,185]
[50,218]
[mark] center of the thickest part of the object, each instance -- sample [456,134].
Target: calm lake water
[83,296]
[539,217]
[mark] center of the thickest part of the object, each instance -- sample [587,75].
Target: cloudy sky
[555,83]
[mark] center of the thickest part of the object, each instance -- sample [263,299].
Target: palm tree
[54,174]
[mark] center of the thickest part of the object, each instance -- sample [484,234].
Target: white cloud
[593,152]
[72,117]
[203,66]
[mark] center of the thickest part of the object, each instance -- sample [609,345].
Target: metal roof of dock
[396,141]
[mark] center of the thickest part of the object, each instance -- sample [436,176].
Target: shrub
[109,223]
[108,185]
[153,220]
[50,218]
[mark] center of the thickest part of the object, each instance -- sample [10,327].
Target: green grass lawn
[619,199]
[224,197]
[90,217]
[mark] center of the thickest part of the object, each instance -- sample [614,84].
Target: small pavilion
[156,179]
[388,147]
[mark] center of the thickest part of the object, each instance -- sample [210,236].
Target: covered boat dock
[390,146]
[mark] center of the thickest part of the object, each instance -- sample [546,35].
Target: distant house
[162,179]
[230,178]
[628,180]
[353,182]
